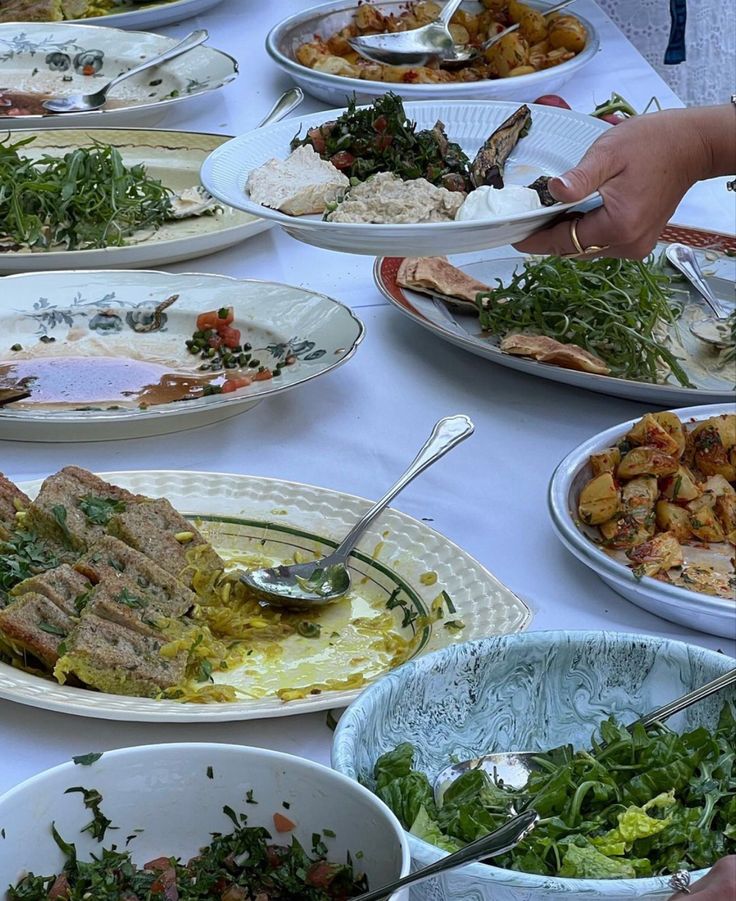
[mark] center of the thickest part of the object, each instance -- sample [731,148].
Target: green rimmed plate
[401,568]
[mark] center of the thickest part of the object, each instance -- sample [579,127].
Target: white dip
[492,203]
[385,198]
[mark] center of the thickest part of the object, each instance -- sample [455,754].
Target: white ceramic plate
[716,616]
[557,140]
[88,314]
[170,799]
[135,14]
[172,156]
[460,327]
[58,59]
[247,514]
[328,18]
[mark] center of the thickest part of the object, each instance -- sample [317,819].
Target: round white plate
[557,140]
[51,59]
[175,158]
[100,313]
[135,14]
[460,327]
[273,517]
[284,39]
[716,616]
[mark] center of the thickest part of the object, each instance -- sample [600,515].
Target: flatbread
[549,350]
[438,274]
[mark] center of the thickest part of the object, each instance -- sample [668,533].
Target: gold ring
[581,251]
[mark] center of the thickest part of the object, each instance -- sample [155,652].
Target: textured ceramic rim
[280,759]
[409,91]
[21,687]
[590,554]
[177,409]
[38,121]
[385,280]
[371,697]
[429,230]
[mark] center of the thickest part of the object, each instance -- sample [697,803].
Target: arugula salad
[645,802]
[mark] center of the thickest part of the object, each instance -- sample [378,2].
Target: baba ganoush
[385,198]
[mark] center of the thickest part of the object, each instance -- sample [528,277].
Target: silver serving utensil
[287,102]
[495,843]
[683,258]
[80,103]
[515,767]
[310,585]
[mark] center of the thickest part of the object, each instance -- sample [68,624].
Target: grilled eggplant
[487,167]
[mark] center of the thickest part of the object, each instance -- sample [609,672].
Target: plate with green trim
[414,591]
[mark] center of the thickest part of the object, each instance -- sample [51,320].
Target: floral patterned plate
[149,13]
[175,158]
[78,341]
[40,59]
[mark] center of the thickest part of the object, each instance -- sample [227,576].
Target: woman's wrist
[716,130]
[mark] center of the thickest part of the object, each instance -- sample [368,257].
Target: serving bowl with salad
[565,691]
[196,822]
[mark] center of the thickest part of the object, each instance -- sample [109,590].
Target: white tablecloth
[355,429]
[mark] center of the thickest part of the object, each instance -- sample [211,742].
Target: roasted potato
[718,485]
[680,486]
[369,19]
[725,510]
[711,455]
[640,461]
[725,425]
[671,518]
[605,461]
[600,500]
[670,422]
[515,10]
[533,26]
[460,34]
[651,433]
[567,32]
[626,532]
[509,53]
[706,526]
[658,555]
[639,496]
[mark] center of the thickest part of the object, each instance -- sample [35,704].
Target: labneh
[302,183]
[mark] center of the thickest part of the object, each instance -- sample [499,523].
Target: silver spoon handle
[692,272]
[189,43]
[446,434]
[687,700]
[288,101]
[498,842]
[502,34]
[448,11]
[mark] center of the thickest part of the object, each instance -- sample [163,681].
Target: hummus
[385,198]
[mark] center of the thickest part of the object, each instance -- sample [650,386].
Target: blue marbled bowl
[533,690]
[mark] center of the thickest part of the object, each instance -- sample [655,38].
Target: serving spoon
[430,43]
[712,331]
[514,768]
[81,103]
[310,585]
[495,843]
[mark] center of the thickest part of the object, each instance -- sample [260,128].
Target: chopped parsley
[100,510]
[87,759]
[131,600]
[24,555]
[92,800]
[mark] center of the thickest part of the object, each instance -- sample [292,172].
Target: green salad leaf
[642,803]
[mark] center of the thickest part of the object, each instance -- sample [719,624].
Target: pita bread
[549,350]
[437,274]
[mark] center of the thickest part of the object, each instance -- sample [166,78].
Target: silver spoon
[515,767]
[287,102]
[683,258]
[323,581]
[495,843]
[80,103]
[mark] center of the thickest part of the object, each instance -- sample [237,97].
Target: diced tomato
[282,823]
[317,137]
[215,319]
[230,336]
[321,874]
[88,70]
[232,384]
[165,885]
[60,888]
[274,856]
[342,159]
[380,124]
[159,863]
[384,141]
[553,100]
[263,376]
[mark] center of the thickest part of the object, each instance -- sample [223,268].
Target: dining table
[355,429]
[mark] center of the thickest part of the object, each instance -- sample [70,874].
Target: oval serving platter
[175,158]
[461,328]
[39,60]
[271,519]
[87,316]
[134,13]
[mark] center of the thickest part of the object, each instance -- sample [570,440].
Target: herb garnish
[100,510]
[87,759]
[92,800]
[611,308]
[131,600]
[23,555]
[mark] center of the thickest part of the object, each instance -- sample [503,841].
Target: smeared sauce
[74,382]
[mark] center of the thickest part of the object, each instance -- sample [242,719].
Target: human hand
[642,169]
[718,885]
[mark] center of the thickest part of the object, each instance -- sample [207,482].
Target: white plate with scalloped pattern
[401,567]
[556,141]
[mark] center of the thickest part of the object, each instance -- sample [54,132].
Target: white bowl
[165,790]
[285,38]
[535,690]
[556,142]
[716,616]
